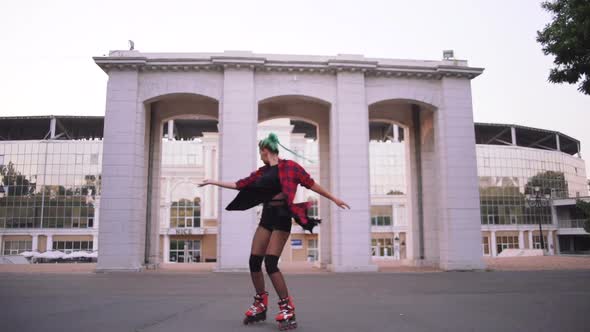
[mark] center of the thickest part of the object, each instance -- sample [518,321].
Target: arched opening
[401,144]
[302,124]
[387,160]
[181,217]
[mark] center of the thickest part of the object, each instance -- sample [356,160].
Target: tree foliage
[584,207]
[549,182]
[17,184]
[567,38]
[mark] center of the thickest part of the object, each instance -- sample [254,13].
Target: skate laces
[258,301]
[284,306]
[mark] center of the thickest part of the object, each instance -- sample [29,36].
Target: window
[485,246]
[313,209]
[94,159]
[506,242]
[381,215]
[537,242]
[382,247]
[312,250]
[15,247]
[185,213]
[71,246]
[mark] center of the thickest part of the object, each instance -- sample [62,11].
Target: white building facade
[51,189]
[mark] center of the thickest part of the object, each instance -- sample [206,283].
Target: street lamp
[538,199]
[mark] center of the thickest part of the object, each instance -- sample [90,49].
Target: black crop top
[263,190]
[269,181]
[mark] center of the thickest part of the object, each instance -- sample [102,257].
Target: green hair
[271,142]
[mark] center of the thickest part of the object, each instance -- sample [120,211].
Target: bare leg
[275,247]
[259,244]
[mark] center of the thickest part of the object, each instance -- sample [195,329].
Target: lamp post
[538,199]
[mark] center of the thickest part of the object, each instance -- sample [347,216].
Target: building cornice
[133,60]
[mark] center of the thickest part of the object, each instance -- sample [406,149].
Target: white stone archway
[143,86]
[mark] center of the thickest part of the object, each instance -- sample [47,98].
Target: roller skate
[257,311]
[286,316]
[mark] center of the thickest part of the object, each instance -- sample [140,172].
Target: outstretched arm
[228,185]
[238,185]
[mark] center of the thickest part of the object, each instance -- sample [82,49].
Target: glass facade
[182,153]
[49,184]
[387,167]
[508,174]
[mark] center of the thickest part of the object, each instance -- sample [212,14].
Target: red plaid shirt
[290,175]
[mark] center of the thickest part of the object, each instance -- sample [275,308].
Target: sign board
[537,203]
[296,244]
[183,231]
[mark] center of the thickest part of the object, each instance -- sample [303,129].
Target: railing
[572,223]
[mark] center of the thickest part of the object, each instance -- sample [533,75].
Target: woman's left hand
[341,203]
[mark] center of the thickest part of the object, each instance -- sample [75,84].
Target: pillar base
[421,262]
[232,269]
[111,270]
[353,268]
[463,265]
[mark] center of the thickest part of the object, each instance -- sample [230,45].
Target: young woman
[274,185]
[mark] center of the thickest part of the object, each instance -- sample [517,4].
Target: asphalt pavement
[209,302]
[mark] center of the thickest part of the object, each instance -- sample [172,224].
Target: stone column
[238,120]
[1,245]
[494,247]
[96,220]
[531,246]
[550,249]
[170,134]
[166,249]
[324,230]
[124,176]
[520,239]
[49,245]
[35,242]
[349,130]
[208,199]
[95,242]
[396,246]
[456,164]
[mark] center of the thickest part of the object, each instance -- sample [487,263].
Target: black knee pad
[271,263]
[256,263]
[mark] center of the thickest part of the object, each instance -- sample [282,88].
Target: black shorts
[275,218]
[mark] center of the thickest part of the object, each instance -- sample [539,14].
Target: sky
[46,64]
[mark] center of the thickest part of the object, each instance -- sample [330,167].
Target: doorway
[185,251]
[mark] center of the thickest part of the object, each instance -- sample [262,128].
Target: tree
[584,207]
[395,192]
[18,184]
[567,38]
[549,182]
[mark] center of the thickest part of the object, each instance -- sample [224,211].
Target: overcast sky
[46,53]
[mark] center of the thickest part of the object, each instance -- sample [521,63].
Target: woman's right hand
[206,182]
